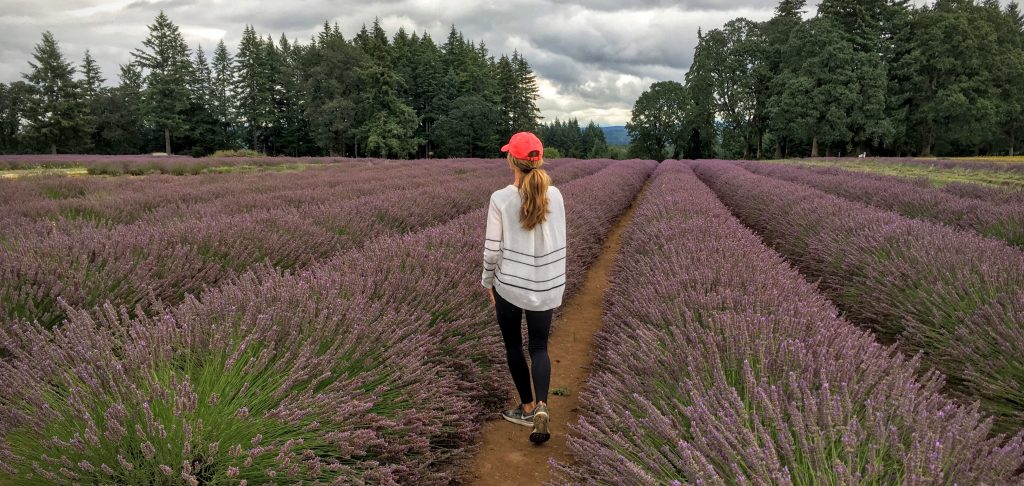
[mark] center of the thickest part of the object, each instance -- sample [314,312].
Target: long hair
[533,188]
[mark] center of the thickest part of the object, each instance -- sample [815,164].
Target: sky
[593,58]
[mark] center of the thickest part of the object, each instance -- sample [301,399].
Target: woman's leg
[510,320]
[538,325]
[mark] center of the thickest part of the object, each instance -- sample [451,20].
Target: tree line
[569,139]
[880,77]
[371,95]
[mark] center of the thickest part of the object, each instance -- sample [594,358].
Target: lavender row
[62,202]
[376,367]
[142,264]
[950,294]
[150,164]
[719,364]
[109,202]
[959,164]
[1002,221]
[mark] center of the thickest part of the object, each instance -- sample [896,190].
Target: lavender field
[764,324]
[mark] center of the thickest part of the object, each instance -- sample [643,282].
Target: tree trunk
[778,149]
[760,143]
[167,141]
[53,149]
[814,146]
[929,142]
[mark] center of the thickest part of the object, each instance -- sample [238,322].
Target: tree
[594,142]
[222,103]
[121,115]
[657,122]
[204,129]
[254,88]
[523,111]
[817,90]
[390,127]
[15,100]
[727,62]
[333,68]
[468,129]
[92,89]
[57,114]
[165,60]
[948,88]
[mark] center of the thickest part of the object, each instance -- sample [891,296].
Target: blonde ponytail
[533,188]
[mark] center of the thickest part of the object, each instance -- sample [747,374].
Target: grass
[935,175]
[41,171]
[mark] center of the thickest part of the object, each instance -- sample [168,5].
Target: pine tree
[251,88]
[222,102]
[121,115]
[524,112]
[15,101]
[331,70]
[165,59]
[204,126]
[56,116]
[92,89]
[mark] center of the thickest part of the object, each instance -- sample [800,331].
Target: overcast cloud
[592,58]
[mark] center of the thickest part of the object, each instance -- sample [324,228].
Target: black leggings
[538,325]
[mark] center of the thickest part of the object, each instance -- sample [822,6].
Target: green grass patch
[937,176]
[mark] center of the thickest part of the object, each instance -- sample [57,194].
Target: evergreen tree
[204,129]
[57,115]
[121,119]
[523,109]
[165,59]
[253,88]
[816,92]
[594,142]
[949,87]
[468,129]
[222,102]
[390,125]
[15,99]
[332,70]
[92,89]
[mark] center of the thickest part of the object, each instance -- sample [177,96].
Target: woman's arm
[492,244]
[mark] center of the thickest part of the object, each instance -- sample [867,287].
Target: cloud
[593,58]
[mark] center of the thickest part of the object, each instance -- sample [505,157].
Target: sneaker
[517,416]
[541,433]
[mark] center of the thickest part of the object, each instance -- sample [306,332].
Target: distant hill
[616,135]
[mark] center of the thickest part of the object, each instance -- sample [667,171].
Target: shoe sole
[522,422]
[540,434]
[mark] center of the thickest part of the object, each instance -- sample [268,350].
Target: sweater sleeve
[492,244]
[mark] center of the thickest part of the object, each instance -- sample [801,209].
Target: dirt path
[506,455]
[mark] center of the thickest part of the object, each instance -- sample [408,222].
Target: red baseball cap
[525,146]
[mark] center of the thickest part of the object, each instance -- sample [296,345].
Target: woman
[524,270]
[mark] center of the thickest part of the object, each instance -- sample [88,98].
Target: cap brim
[505,148]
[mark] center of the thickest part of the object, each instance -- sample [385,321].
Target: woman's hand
[490,294]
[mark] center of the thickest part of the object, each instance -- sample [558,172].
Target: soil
[506,455]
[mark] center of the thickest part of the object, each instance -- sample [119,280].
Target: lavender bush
[949,294]
[152,164]
[144,263]
[1002,221]
[375,366]
[960,164]
[719,364]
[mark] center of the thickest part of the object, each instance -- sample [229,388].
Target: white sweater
[527,267]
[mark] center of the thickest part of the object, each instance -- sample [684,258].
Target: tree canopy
[882,77]
[370,95]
